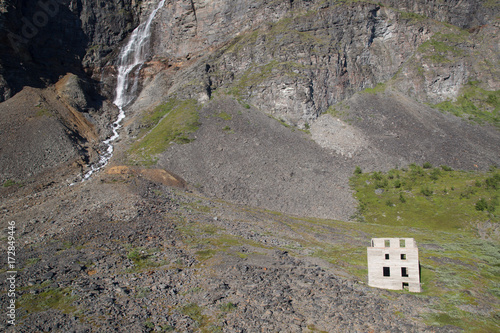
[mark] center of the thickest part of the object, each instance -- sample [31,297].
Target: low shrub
[446,168]
[481,205]
[426,191]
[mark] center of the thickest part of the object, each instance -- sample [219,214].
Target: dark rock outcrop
[42,40]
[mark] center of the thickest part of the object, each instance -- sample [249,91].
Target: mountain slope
[250,120]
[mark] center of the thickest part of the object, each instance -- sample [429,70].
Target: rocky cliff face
[298,58]
[307,55]
[42,40]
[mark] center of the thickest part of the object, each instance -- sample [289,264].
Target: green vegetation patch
[143,258]
[9,183]
[476,104]
[459,268]
[168,123]
[428,197]
[412,17]
[198,206]
[227,307]
[43,112]
[224,115]
[350,257]
[31,261]
[57,299]
[379,88]
[204,323]
[258,74]
[444,47]
[209,239]
[491,4]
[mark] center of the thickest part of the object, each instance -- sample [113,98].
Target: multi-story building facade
[393,264]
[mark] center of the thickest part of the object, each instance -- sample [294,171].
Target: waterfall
[130,61]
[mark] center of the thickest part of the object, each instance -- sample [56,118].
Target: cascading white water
[130,62]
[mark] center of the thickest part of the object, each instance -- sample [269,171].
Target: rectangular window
[406,285]
[402,243]
[387,271]
[403,256]
[404,272]
[387,256]
[387,243]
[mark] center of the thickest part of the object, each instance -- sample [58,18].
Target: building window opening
[387,256]
[402,243]
[404,272]
[403,256]
[406,285]
[387,243]
[387,271]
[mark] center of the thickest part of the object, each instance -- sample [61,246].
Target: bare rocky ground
[119,253]
[397,131]
[254,159]
[44,130]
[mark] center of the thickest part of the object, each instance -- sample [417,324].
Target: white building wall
[377,261]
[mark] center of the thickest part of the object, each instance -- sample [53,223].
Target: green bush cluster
[483,205]
[493,181]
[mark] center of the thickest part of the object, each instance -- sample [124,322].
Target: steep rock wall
[296,59]
[42,40]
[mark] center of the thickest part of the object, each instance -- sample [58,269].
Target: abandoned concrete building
[393,264]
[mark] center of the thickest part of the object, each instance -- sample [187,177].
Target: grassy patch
[224,115]
[476,104]
[31,261]
[340,111]
[227,307]
[432,198]
[43,112]
[142,258]
[142,292]
[491,4]
[413,17]
[258,74]
[57,299]
[439,211]
[9,183]
[208,240]
[198,207]
[194,311]
[350,257]
[442,47]
[203,255]
[169,123]
[379,88]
